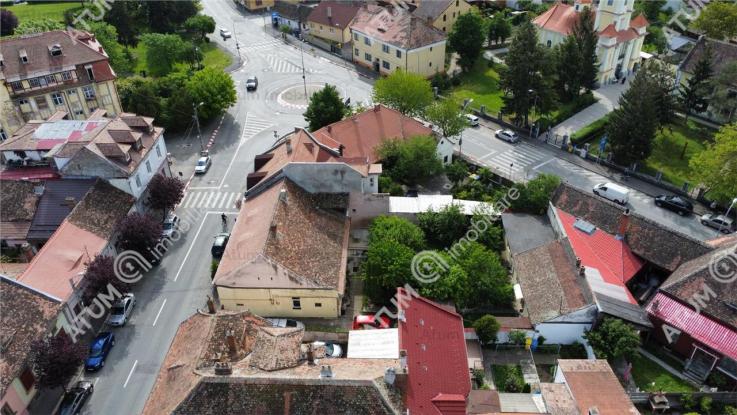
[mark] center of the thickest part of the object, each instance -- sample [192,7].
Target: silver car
[203,164]
[719,222]
[170,225]
[122,310]
[507,135]
[285,322]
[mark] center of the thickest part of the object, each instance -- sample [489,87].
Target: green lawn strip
[482,85]
[591,132]
[213,57]
[53,11]
[668,155]
[651,377]
[502,375]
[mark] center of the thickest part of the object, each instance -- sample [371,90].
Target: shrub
[687,401]
[486,328]
[527,388]
[214,267]
[705,404]
[717,379]
[386,185]
[591,132]
[478,376]
[517,336]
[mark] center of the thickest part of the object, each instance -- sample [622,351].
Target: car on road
[285,322]
[218,246]
[362,320]
[225,33]
[121,311]
[719,222]
[75,398]
[251,83]
[614,192]
[99,349]
[203,165]
[169,225]
[331,349]
[507,135]
[473,120]
[675,203]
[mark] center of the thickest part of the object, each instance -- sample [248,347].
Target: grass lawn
[53,11]
[668,150]
[213,57]
[508,378]
[482,85]
[651,377]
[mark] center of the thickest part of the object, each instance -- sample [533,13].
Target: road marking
[95,382]
[209,199]
[159,313]
[542,164]
[487,155]
[203,187]
[191,245]
[129,374]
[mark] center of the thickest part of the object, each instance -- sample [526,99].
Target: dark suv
[675,203]
[75,398]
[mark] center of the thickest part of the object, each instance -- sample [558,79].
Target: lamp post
[197,121]
[466,103]
[510,171]
[237,45]
[534,104]
[304,78]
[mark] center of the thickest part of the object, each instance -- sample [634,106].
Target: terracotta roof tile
[593,384]
[559,18]
[341,13]
[396,26]
[18,200]
[639,21]
[277,348]
[432,9]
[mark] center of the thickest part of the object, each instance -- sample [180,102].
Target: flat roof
[373,344]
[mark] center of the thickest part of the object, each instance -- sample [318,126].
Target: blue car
[99,350]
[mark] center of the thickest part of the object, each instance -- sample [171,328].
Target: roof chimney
[340,150]
[283,196]
[210,305]
[582,271]
[326,372]
[377,108]
[70,201]
[230,339]
[288,142]
[624,221]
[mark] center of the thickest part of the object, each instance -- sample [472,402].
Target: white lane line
[219,200]
[129,374]
[209,199]
[159,313]
[487,155]
[96,380]
[191,245]
[542,164]
[202,187]
[186,200]
[230,200]
[196,199]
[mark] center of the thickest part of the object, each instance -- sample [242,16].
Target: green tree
[663,83]
[128,17]
[411,161]
[452,284]
[612,339]
[718,20]
[444,227]
[632,125]
[387,185]
[169,16]
[698,87]
[716,166]
[499,29]
[107,35]
[467,39]
[517,337]
[406,92]
[486,328]
[8,22]
[650,8]
[525,80]
[489,285]
[138,95]
[587,38]
[456,171]
[201,24]
[398,229]
[162,52]
[655,40]
[213,88]
[569,66]
[31,26]
[446,115]
[724,100]
[326,107]
[535,194]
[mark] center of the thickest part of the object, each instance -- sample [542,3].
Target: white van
[473,120]
[614,192]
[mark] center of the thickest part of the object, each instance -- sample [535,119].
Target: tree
[139,232]
[632,125]
[451,285]
[587,38]
[201,24]
[387,185]
[138,95]
[215,89]
[8,22]
[326,107]
[664,90]
[31,26]
[499,29]
[162,52]
[698,86]
[55,360]
[167,16]
[517,336]
[128,18]
[718,20]
[444,227]
[724,100]
[406,92]
[486,328]
[525,80]
[107,35]
[655,40]
[456,171]
[446,115]
[164,192]
[613,339]
[411,161]
[535,195]
[99,273]
[569,67]
[489,285]
[467,39]
[716,166]
[650,8]
[397,229]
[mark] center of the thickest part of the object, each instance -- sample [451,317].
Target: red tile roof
[561,17]
[436,356]
[397,27]
[593,384]
[28,173]
[639,21]
[700,327]
[334,13]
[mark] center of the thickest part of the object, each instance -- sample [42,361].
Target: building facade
[54,71]
[329,26]
[256,5]
[442,13]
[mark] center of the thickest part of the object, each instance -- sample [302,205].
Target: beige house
[387,38]
[256,5]
[620,35]
[329,25]
[442,13]
[54,71]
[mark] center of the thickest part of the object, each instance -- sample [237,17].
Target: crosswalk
[521,158]
[268,44]
[282,66]
[254,125]
[216,200]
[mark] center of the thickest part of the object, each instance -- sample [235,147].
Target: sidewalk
[608,97]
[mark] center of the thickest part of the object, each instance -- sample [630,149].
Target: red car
[363,320]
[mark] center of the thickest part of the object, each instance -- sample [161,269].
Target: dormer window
[55,50]
[90,74]
[23,55]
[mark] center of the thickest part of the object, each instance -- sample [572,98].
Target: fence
[723,397]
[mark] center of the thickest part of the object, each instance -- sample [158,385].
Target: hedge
[590,132]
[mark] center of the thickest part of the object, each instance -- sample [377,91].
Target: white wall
[155,159]
[30,155]
[563,333]
[503,336]
[445,151]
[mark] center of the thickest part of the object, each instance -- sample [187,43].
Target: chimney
[288,142]
[330,12]
[578,262]
[230,339]
[403,360]
[582,271]
[656,305]
[326,372]
[283,196]
[310,355]
[624,222]
[210,305]
[376,108]
[340,150]
[330,128]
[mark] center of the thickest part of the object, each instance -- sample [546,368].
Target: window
[445,17]
[16,85]
[41,103]
[385,48]
[386,65]
[332,30]
[89,92]
[454,14]
[296,303]
[66,76]
[609,2]
[430,48]
[367,56]
[318,305]
[399,53]
[72,91]
[90,74]
[158,149]
[356,51]
[50,79]
[138,181]
[22,101]
[58,98]
[27,379]
[148,165]
[355,36]
[24,59]
[367,41]
[549,43]
[34,83]
[3,135]
[429,64]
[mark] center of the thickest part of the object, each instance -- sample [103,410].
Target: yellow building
[287,254]
[387,38]
[442,13]
[329,25]
[52,71]
[256,5]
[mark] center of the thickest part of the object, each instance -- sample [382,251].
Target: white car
[614,192]
[719,222]
[331,349]
[122,310]
[225,33]
[203,164]
[473,120]
[285,322]
[507,135]
[169,225]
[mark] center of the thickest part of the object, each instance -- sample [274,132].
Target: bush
[386,185]
[508,378]
[214,267]
[486,328]
[705,404]
[517,336]
[478,377]
[591,132]
[717,380]
[688,402]
[535,194]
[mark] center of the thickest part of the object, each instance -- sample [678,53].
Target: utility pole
[237,45]
[304,77]
[197,121]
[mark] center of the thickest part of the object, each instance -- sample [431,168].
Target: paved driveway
[608,97]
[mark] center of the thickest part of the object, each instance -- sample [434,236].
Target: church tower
[617,12]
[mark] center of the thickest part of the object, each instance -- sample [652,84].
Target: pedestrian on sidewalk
[224,218]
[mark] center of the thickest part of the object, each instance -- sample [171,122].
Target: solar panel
[584,226]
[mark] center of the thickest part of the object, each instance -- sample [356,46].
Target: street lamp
[510,170]
[726,214]
[534,104]
[197,121]
[466,103]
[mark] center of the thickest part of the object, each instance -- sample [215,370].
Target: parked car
[218,246]
[203,165]
[507,135]
[169,225]
[331,349]
[362,320]
[719,222]
[285,322]
[99,349]
[75,398]
[614,192]
[251,83]
[122,310]
[411,192]
[225,33]
[473,120]
[675,203]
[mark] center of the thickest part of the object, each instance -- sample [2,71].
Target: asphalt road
[175,289]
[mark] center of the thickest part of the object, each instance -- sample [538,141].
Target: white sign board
[373,344]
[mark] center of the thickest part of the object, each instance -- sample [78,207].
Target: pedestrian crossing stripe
[284,66]
[254,125]
[259,46]
[210,200]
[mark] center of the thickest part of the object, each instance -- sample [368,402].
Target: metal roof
[373,344]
